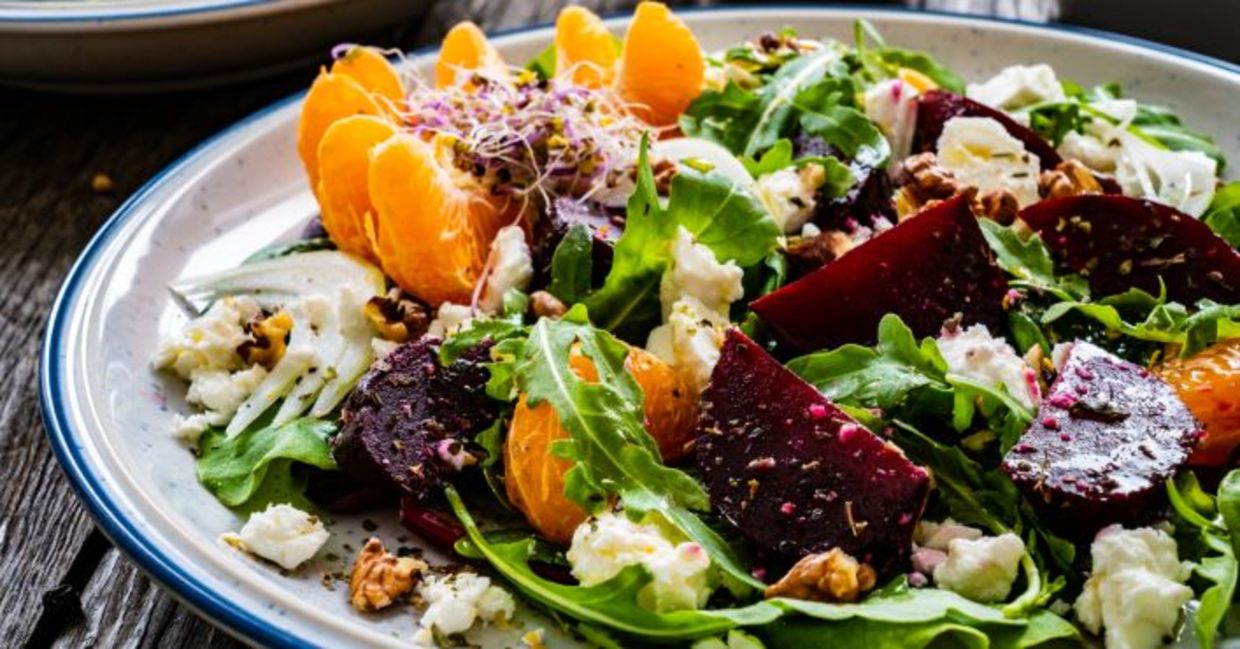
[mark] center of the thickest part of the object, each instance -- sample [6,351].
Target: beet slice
[1120,242]
[605,227]
[938,106]
[1105,440]
[865,203]
[794,473]
[926,269]
[409,415]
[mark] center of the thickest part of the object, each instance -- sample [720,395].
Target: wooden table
[63,583]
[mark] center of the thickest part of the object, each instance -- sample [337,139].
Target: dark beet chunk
[865,203]
[794,473]
[938,106]
[409,415]
[926,269]
[605,226]
[1120,242]
[1105,440]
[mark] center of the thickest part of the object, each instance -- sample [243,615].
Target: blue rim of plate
[88,14]
[89,487]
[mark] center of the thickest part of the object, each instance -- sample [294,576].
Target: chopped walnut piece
[807,254]
[832,576]
[268,336]
[379,577]
[1071,178]
[546,305]
[999,205]
[397,317]
[925,183]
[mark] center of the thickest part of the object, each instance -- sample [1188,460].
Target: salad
[800,343]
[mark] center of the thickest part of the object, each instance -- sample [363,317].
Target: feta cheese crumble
[603,546]
[974,354]
[455,603]
[979,152]
[1136,588]
[210,341]
[450,319]
[512,267]
[981,569]
[689,341]
[282,534]
[694,272]
[789,194]
[892,105]
[1018,86]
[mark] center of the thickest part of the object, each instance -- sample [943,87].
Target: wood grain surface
[63,583]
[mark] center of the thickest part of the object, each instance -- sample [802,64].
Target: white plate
[108,415]
[146,45]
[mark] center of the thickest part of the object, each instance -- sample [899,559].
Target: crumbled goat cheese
[1017,87]
[695,272]
[220,392]
[450,319]
[893,106]
[456,602]
[1135,589]
[975,354]
[689,341]
[789,194]
[983,569]
[603,546]
[512,267]
[210,341]
[979,152]
[937,536]
[283,535]
[190,428]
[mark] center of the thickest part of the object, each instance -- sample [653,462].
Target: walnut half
[379,577]
[832,576]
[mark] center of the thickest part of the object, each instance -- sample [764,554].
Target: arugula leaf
[1139,315]
[826,111]
[491,440]
[254,468]
[719,214]
[1218,540]
[879,61]
[571,265]
[611,452]
[1223,214]
[1029,261]
[543,65]
[838,177]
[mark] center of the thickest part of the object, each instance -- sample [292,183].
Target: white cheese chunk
[789,194]
[695,273]
[980,152]
[892,105]
[450,319]
[284,535]
[455,603]
[1017,87]
[1135,589]
[982,569]
[974,354]
[512,267]
[210,341]
[604,546]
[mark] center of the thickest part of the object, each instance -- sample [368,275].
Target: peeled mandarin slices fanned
[433,234]
[585,52]
[662,67]
[465,49]
[370,68]
[331,97]
[344,171]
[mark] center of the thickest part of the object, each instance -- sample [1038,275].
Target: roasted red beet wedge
[1106,439]
[406,423]
[938,106]
[1121,242]
[794,473]
[926,269]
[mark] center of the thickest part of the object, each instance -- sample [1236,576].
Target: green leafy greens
[255,468]
[1223,215]
[1215,524]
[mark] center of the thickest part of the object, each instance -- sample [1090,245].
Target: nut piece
[925,183]
[268,336]
[832,576]
[397,317]
[379,578]
[806,254]
[1071,178]
[999,205]
[546,305]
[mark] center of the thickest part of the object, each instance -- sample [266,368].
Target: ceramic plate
[109,415]
[144,45]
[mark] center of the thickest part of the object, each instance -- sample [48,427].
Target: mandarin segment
[1209,384]
[465,48]
[371,69]
[671,406]
[331,97]
[662,68]
[585,52]
[344,170]
[432,235]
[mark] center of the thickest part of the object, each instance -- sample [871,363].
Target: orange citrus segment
[344,169]
[534,476]
[368,67]
[331,97]
[432,235]
[585,51]
[920,82]
[662,67]
[465,48]
[1209,384]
